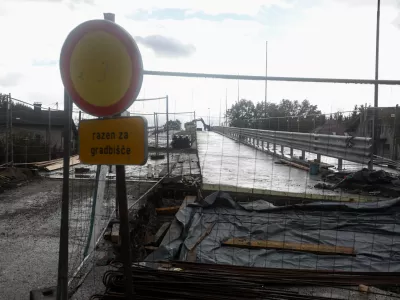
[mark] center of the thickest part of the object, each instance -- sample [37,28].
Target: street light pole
[266,81]
[375,132]
[209,121]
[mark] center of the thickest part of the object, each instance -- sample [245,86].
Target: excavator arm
[206,127]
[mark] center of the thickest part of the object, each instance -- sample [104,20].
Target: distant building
[44,125]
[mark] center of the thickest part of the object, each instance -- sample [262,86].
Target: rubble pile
[364,181]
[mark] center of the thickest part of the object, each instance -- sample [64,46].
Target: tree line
[287,115]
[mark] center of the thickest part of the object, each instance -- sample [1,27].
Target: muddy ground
[29,231]
[29,237]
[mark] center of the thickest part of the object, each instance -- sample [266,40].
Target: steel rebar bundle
[220,282]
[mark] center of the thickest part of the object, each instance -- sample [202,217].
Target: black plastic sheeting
[372,229]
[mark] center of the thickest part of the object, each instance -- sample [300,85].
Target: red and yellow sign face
[101,68]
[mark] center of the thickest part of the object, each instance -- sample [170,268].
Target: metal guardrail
[355,149]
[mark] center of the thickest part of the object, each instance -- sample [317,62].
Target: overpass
[246,161]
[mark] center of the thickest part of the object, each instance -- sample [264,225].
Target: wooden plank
[150,248]
[175,229]
[192,256]
[292,164]
[171,210]
[268,244]
[115,233]
[73,160]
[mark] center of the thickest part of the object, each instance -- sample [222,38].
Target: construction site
[142,201]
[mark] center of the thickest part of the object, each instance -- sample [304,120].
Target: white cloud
[211,7]
[333,39]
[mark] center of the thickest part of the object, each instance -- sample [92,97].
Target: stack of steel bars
[214,282]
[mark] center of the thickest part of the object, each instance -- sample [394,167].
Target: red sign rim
[137,67]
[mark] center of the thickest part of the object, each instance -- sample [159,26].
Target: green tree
[287,115]
[174,125]
[242,114]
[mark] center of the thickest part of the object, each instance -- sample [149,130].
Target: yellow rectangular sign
[117,141]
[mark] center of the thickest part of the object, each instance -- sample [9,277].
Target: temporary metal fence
[355,149]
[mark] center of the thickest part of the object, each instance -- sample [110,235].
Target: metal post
[11,131]
[62,281]
[376,90]
[340,164]
[26,152]
[298,124]
[209,120]
[226,107]
[122,203]
[49,139]
[79,122]
[156,137]
[219,121]
[167,109]
[238,91]
[124,229]
[7,123]
[394,147]
[266,81]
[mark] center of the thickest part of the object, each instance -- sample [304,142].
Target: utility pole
[226,107]
[375,132]
[238,91]
[167,123]
[266,81]
[219,122]
[209,120]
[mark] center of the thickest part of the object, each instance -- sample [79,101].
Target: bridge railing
[355,149]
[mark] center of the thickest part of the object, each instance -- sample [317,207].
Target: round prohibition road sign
[101,68]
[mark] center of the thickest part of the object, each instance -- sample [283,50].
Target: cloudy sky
[306,38]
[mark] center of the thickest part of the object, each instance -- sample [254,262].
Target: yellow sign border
[100,140]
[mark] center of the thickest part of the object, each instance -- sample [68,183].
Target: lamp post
[209,121]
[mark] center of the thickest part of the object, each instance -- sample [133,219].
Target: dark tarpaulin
[372,229]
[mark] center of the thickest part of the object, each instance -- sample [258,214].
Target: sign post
[102,70]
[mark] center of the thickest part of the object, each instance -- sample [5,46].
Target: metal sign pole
[129,134]
[62,281]
[123,215]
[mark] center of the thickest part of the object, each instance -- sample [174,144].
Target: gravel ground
[29,231]
[29,238]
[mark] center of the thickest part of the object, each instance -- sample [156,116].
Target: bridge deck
[230,166]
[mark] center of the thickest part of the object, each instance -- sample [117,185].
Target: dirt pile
[13,177]
[364,181]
